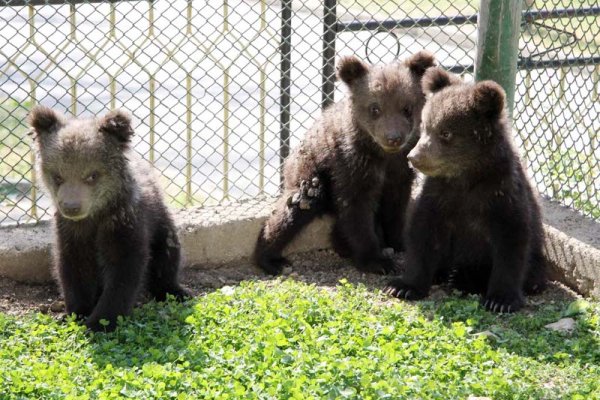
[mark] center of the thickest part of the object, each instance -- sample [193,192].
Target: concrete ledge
[25,253]
[217,235]
[210,237]
[225,233]
[573,248]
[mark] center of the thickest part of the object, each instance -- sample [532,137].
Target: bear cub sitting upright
[352,165]
[477,220]
[113,232]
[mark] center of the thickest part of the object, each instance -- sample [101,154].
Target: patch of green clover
[290,340]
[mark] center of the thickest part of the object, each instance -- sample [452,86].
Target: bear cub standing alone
[477,220]
[113,231]
[352,164]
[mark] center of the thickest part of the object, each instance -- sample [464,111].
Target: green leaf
[576,307]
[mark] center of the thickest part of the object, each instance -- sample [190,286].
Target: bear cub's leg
[293,211]
[124,257]
[354,233]
[163,268]
[79,285]
[391,215]
[426,252]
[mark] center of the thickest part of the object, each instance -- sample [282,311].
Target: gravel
[322,268]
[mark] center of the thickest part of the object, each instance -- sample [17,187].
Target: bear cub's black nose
[71,208]
[394,142]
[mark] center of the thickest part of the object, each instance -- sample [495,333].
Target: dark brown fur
[352,164]
[112,227]
[477,221]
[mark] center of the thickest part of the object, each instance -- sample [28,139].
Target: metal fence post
[498,44]
[329,36]
[285,49]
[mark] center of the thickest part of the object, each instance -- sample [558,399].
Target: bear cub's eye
[446,135]
[407,111]
[91,178]
[375,110]
[57,179]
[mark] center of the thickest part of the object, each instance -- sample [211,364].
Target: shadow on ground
[522,333]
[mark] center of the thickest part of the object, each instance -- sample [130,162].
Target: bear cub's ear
[489,98]
[419,62]
[44,120]
[118,124]
[350,68]
[435,79]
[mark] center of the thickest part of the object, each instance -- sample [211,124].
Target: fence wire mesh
[220,91]
[556,101]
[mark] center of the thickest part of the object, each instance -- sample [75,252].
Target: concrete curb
[573,248]
[213,236]
[210,236]
[221,234]
[25,253]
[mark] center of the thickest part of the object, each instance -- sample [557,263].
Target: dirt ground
[322,268]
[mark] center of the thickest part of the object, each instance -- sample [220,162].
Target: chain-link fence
[220,91]
[557,112]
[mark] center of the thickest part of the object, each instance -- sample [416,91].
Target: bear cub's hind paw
[273,266]
[308,196]
[179,294]
[381,266]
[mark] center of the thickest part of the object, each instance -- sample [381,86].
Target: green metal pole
[498,44]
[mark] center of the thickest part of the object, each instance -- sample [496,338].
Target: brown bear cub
[352,165]
[477,220]
[113,231]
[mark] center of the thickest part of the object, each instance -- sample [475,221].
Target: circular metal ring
[373,35]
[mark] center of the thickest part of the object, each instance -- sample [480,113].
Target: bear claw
[398,289]
[499,306]
[405,294]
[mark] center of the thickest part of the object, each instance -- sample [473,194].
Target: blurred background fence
[220,91]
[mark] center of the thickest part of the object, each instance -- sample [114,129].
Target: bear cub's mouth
[392,150]
[425,168]
[74,218]
[409,141]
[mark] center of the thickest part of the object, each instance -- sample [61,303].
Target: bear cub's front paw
[401,290]
[503,302]
[101,325]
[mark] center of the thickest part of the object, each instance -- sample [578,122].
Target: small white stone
[57,306]
[227,290]
[562,325]
[489,335]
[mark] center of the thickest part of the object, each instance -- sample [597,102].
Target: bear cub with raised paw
[113,232]
[477,220]
[352,165]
